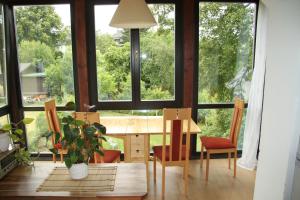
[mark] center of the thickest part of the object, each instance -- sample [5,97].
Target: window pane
[226,36]
[216,123]
[3,87]
[45,53]
[112,57]
[4,120]
[37,128]
[158,55]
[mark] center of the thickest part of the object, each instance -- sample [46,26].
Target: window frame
[136,103]
[11,5]
[199,106]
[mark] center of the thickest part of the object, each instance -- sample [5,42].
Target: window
[45,57]
[112,57]
[45,53]
[134,68]
[157,47]
[3,86]
[226,44]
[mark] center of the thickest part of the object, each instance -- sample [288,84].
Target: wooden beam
[189,51]
[81,53]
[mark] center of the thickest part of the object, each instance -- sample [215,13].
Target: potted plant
[13,132]
[81,140]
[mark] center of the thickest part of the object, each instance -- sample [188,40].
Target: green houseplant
[13,132]
[81,140]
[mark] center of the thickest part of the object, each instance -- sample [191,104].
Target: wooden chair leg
[235,157]
[186,174]
[201,157]
[54,157]
[207,165]
[61,156]
[229,160]
[163,182]
[154,169]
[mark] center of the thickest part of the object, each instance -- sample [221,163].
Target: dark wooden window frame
[136,103]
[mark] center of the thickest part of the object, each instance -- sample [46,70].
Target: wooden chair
[53,125]
[175,154]
[214,145]
[110,156]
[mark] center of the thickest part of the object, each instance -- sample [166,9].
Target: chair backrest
[52,119]
[89,117]
[236,120]
[179,120]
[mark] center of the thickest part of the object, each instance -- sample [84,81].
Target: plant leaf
[19,131]
[68,162]
[27,120]
[70,106]
[7,127]
[100,128]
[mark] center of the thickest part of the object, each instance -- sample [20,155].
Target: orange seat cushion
[157,150]
[216,143]
[109,156]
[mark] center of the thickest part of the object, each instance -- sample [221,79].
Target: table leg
[146,157]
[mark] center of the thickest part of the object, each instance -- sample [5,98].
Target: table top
[123,125]
[22,183]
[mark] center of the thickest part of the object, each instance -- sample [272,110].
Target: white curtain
[254,111]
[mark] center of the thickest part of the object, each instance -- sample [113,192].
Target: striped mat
[100,179]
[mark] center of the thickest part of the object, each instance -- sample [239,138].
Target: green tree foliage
[40,23]
[36,53]
[225,60]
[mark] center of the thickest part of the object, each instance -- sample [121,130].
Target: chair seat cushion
[216,143]
[157,150]
[110,156]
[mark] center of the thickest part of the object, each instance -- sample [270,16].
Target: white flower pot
[4,142]
[79,171]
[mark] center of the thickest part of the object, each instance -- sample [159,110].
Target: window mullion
[135,66]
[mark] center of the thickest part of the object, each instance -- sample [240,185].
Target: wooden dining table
[135,132]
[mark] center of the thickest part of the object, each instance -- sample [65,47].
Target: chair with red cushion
[214,145]
[110,156]
[176,122]
[54,126]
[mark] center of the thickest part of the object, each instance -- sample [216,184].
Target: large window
[134,68]
[134,72]
[3,87]
[45,57]
[226,43]
[45,53]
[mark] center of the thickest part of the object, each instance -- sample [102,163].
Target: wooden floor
[220,186]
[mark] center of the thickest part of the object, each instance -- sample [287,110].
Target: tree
[38,54]
[40,23]
[225,59]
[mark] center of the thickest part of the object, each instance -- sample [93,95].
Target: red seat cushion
[216,143]
[157,150]
[109,156]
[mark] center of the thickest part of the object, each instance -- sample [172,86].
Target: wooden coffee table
[22,183]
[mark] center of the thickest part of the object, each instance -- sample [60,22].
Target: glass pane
[158,55]
[4,120]
[3,87]
[37,128]
[117,143]
[45,53]
[226,37]
[112,57]
[216,123]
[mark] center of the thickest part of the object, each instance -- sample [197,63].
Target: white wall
[281,115]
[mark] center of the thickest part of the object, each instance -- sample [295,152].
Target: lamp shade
[132,14]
